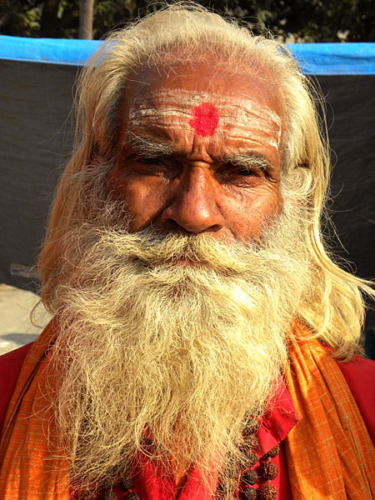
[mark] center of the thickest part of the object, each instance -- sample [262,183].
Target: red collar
[277,422]
[153,483]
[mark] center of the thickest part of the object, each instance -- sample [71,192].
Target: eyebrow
[248,160]
[150,148]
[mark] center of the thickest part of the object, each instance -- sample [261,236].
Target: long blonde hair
[334,307]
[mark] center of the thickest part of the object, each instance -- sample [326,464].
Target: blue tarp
[315,58]
[335,58]
[47,50]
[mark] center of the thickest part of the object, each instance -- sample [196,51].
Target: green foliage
[20,17]
[290,20]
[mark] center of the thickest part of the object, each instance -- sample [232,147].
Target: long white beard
[180,350]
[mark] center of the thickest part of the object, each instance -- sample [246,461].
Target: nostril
[183,226]
[190,228]
[172,224]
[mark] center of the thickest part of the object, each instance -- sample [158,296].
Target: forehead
[206,114]
[193,101]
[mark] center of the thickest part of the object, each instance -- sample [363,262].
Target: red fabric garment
[151,484]
[360,376]
[275,426]
[10,367]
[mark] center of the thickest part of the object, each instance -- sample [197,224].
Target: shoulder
[358,371]
[360,376]
[10,367]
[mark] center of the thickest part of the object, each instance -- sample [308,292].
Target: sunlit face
[200,151]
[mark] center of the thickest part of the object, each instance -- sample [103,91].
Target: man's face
[200,151]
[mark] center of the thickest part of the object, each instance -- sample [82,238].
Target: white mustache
[153,248]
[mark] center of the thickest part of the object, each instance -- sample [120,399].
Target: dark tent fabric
[37,127]
[36,135]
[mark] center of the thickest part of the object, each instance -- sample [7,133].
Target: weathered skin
[224,181]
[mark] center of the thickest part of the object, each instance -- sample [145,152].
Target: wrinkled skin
[197,184]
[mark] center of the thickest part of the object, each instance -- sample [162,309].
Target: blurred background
[292,21]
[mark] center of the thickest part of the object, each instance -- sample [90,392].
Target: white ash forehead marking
[189,99]
[238,114]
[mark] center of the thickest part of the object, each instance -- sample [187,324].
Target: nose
[194,204]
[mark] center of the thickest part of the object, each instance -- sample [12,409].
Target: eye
[242,175]
[257,171]
[162,166]
[149,161]
[245,172]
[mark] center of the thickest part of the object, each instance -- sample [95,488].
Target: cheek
[142,198]
[248,220]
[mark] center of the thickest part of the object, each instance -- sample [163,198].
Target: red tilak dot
[205,119]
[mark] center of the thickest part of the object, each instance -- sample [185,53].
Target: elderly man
[204,344]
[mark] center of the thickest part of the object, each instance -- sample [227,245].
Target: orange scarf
[329,452]
[28,468]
